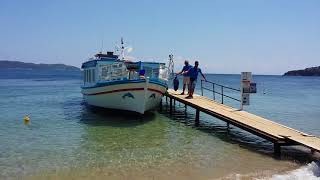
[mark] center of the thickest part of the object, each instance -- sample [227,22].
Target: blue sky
[262,36]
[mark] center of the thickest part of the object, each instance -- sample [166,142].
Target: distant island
[14,65]
[312,71]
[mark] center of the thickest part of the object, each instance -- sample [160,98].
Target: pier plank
[275,132]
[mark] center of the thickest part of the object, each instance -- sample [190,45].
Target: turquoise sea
[68,140]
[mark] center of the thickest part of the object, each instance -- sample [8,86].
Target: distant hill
[14,65]
[312,71]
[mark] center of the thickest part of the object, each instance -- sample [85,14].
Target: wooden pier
[278,134]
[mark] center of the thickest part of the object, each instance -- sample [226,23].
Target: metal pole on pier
[201,88]
[214,93]
[221,94]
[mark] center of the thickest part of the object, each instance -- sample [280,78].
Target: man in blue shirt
[186,78]
[193,73]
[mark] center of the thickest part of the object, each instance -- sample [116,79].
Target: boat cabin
[108,67]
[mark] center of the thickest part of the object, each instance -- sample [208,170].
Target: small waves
[310,172]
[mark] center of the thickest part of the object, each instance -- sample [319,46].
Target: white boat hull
[137,96]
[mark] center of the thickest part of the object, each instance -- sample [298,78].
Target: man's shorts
[186,80]
[193,83]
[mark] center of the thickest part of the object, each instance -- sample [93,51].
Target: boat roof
[110,57]
[100,57]
[148,62]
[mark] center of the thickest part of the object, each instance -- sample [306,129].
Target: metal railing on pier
[221,92]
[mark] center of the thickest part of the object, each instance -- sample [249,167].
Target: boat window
[88,80]
[105,72]
[148,71]
[155,72]
[115,71]
[93,76]
[163,72]
[86,75]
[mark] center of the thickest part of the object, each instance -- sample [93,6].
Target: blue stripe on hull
[101,84]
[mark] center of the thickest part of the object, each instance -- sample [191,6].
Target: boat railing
[218,89]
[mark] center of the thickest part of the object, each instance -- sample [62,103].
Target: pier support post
[174,102]
[185,111]
[277,149]
[197,120]
[170,106]
[228,127]
[313,151]
[166,99]
[160,104]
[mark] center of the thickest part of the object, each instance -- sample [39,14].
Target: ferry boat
[115,83]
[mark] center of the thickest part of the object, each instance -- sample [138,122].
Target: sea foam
[308,172]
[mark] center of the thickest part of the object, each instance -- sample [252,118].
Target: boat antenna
[122,49]
[170,67]
[101,46]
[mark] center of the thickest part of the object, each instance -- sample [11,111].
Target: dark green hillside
[32,66]
[312,71]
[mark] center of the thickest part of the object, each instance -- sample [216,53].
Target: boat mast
[170,67]
[101,46]
[122,49]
